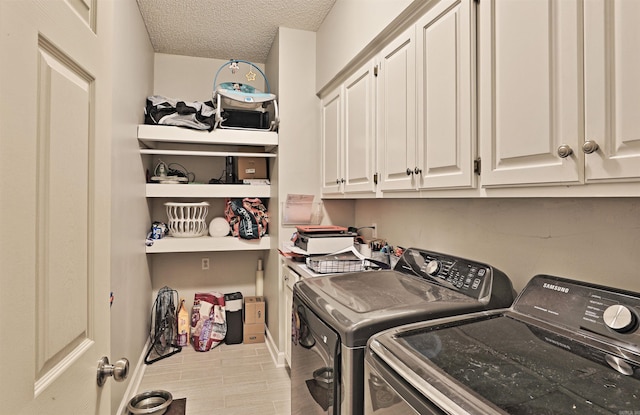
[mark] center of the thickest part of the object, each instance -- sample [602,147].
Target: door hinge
[375,70]
[477,166]
[375,178]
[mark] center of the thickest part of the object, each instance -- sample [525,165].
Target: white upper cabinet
[559,93]
[530,89]
[445,46]
[359,131]
[396,114]
[348,135]
[612,89]
[332,127]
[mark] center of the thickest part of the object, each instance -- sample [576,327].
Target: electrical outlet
[205,263]
[374,232]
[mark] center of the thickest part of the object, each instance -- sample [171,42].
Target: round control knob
[619,318]
[433,267]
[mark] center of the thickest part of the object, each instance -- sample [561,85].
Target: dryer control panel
[472,278]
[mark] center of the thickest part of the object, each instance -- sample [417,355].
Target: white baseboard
[276,356]
[134,382]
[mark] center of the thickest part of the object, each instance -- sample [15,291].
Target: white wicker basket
[187,220]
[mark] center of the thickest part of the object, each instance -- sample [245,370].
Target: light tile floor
[239,379]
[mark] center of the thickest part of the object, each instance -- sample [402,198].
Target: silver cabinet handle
[564,151]
[417,170]
[409,172]
[590,147]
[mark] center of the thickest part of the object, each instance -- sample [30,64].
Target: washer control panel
[582,306]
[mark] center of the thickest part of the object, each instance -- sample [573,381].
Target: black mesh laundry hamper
[233,311]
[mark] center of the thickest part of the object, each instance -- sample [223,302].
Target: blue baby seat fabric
[240,101]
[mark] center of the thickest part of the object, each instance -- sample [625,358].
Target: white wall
[130,280]
[587,239]
[347,29]
[291,68]
[191,79]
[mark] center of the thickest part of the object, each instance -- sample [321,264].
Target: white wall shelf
[158,140]
[149,135]
[208,244]
[208,190]
[158,152]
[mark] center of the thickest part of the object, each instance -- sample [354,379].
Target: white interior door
[54,213]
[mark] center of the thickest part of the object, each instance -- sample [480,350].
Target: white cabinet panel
[530,89]
[359,138]
[396,114]
[445,44]
[331,142]
[348,135]
[612,89]
[290,278]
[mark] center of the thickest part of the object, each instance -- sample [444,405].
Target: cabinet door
[396,113]
[290,278]
[530,91]
[332,177]
[612,88]
[444,58]
[359,131]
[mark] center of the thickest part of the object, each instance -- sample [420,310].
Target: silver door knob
[409,172]
[590,146]
[417,170]
[119,370]
[564,151]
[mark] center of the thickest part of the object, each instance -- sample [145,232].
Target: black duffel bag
[167,111]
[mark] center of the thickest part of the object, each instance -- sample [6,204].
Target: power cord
[191,177]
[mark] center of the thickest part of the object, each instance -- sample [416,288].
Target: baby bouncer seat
[240,105]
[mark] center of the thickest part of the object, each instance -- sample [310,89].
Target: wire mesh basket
[343,262]
[187,220]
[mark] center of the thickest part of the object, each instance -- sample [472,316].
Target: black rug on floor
[177,407]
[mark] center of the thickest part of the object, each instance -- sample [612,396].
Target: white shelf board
[208,190]
[149,134]
[155,151]
[208,244]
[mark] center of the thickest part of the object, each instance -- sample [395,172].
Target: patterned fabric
[247,217]
[208,321]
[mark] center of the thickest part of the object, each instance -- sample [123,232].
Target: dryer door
[314,363]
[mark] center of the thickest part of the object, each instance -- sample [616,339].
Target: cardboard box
[253,333]
[254,310]
[252,168]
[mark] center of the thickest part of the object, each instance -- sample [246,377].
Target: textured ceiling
[226,29]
